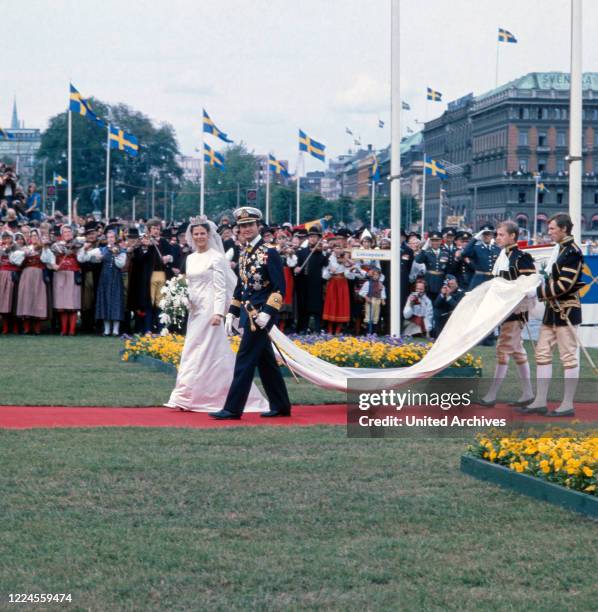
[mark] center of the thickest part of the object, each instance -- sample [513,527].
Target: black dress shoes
[563,413]
[522,403]
[225,415]
[276,413]
[484,403]
[528,410]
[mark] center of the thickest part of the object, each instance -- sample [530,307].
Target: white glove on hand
[229,323]
[479,235]
[262,319]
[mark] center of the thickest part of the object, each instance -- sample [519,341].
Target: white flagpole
[575,120]
[203,175]
[299,168]
[536,209]
[395,172]
[69,169]
[423,206]
[496,72]
[133,212]
[107,205]
[373,204]
[267,190]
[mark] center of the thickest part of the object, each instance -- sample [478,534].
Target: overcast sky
[264,68]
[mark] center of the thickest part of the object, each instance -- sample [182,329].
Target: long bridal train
[476,316]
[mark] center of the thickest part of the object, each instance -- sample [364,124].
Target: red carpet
[27,417]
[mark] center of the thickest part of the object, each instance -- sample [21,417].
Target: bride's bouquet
[174,303]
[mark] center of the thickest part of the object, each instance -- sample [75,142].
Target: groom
[256,302]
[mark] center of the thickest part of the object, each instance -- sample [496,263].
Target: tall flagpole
[575,116]
[373,206]
[299,168]
[537,178]
[203,176]
[423,206]
[496,72]
[268,190]
[107,205]
[69,168]
[395,173]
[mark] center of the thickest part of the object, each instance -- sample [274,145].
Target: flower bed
[570,461]
[348,351]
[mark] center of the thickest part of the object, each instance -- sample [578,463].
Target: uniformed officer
[482,254]
[510,265]
[448,236]
[562,317]
[435,259]
[464,271]
[256,301]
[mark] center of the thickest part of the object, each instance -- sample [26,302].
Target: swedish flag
[213,157]
[375,169]
[314,148]
[210,128]
[506,36]
[436,96]
[4,134]
[435,168]
[58,180]
[123,141]
[80,106]
[277,166]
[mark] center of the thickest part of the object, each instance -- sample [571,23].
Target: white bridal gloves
[230,322]
[262,319]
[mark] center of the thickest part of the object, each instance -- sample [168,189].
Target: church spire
[14,122]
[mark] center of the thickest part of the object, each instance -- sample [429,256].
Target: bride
[207,361]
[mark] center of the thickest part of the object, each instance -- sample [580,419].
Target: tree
[131,175]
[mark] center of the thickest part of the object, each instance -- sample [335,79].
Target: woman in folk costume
[110,299]
[66,282]
[337,306]
[418,312]
[11,259]
[32,305]
[207,361]
[289,259]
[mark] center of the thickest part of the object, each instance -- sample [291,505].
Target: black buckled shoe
[522,403]
[563,413]
[276,413]
[528,410]
[225,415]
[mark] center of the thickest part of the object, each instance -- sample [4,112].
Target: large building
[20,148]
[496,143]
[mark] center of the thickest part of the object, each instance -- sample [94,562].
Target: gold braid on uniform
[275,300]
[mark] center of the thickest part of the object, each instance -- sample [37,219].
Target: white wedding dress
[207,361]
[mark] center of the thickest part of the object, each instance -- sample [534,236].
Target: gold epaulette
[236,303]
[275,300]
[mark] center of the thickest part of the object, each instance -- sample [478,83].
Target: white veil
[215,243]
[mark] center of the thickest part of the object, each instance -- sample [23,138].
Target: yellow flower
[587,471]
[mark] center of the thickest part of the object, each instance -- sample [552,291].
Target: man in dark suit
[256,302]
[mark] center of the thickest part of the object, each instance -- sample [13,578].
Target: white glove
[230,321]
[426,245]
[262,319]
[479,235]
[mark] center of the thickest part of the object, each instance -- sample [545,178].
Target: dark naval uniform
[260,288]
[482,257]
[520,264]
[561,296]
[435,262]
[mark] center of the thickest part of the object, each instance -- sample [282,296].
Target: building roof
[544,81]
[411,141]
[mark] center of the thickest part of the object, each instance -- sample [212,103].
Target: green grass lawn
[292,518]
[87,371]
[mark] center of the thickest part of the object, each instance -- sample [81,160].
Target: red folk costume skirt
[289,282]
[337,307]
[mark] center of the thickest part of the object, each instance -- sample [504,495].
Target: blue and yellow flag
[213,157]
[434,95]
[314,148]
[5,135]
[123,141]
[435,168]
[505,36]
[80,106]
[210,128]
[58,180]
[375,169]
[277,166]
